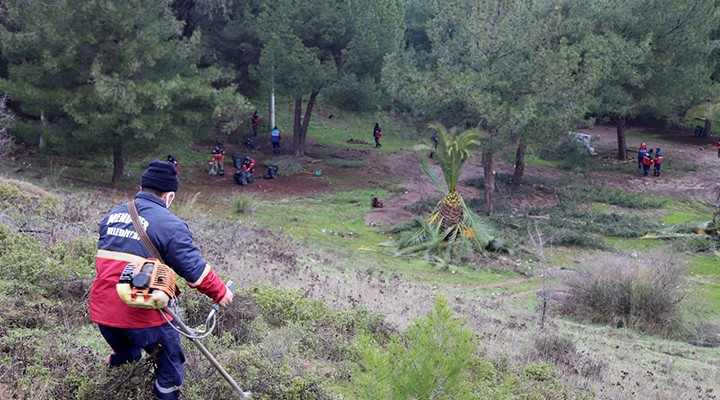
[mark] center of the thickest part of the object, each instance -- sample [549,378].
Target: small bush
[619,225]
[24,257]
[539,371]
[25,201]
[27,259]
[571,153]
[281,306]
[643,295]
[244,204]
[699,244]
[562,351]
[343,163]
[589,193]
[433,356]
[571,237]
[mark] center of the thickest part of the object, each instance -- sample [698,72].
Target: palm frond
[408,225]
[425,232]
[453,150]
[425,165]
[705,110]
[699,111]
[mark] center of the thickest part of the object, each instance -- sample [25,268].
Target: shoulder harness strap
[141,232]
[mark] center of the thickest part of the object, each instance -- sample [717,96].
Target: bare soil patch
[691,163]
[691,173]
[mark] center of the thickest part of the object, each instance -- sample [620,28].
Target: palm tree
[707,111]
[452,228]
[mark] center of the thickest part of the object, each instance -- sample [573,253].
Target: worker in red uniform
[657,162]
[647,162]
[217,155]
[130,330]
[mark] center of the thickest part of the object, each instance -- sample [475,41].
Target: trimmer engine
[150,284]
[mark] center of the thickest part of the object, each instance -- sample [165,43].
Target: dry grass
[643,294]
[609,362]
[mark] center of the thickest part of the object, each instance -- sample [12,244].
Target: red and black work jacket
[658,160]
[218,155]
[119,244]
[249,166]
[647,160]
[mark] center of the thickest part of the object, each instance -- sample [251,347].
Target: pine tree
[109,77]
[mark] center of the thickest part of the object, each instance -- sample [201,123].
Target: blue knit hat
[160,175]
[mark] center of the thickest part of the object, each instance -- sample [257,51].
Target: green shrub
[26,198]
[23,257]
[592,193]
[571,153]
[28,260]
[697,244]
[571,237]
[281,306]
[343,163]
[359,320]
[619,225]
[245,203]
[563,353]
[539,371]
[431,360]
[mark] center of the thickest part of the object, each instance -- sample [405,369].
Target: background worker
[641,154]
[275,137]
[217,155]
[377,133]
[248,165]
[129,330]
[657,162]
[647,162]
[174,162]
[255,121]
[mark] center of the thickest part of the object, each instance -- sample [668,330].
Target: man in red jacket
[128,330]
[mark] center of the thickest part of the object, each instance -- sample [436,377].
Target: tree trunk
[489,183]
[118,160]
[183,12]
[306,120]
[519,164]
[707,127]
[297,129]
[622,145]
[43,132]
[300,127]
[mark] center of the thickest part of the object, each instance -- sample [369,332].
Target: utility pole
[272,97]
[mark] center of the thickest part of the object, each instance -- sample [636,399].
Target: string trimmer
[195,334]
[151,284]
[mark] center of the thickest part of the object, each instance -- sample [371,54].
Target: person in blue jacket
[641,154]
[130,330]
[657,162]
[275,137]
